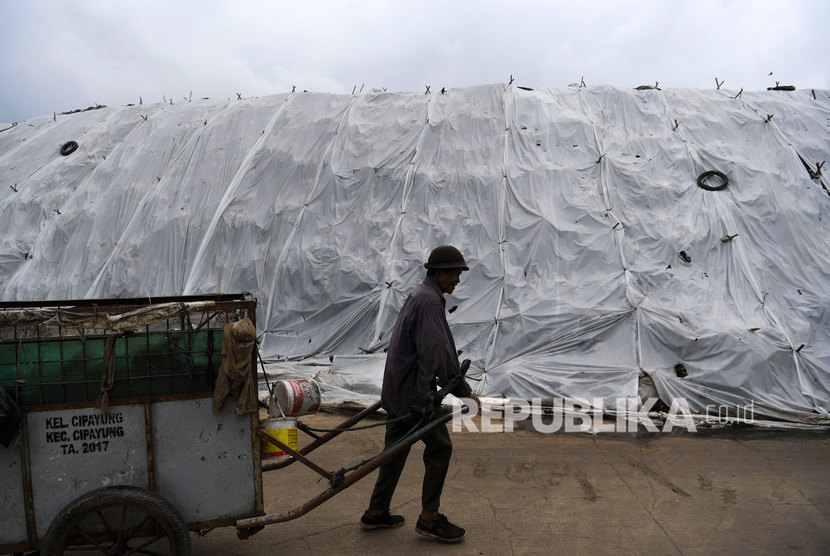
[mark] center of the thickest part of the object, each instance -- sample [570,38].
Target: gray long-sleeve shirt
[421,349]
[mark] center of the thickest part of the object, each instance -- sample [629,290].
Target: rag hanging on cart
[235,377]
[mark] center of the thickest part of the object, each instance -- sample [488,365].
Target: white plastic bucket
[284,430]
[298,397]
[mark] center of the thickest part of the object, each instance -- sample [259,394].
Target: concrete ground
[735,491]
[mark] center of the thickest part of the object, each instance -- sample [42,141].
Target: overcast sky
[60,55]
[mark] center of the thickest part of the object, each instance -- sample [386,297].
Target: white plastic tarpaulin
[595,256]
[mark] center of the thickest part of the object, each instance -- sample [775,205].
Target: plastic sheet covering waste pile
[613,234]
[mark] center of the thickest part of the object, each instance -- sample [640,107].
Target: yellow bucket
[284,430]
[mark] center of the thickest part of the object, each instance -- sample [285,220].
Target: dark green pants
[437,454]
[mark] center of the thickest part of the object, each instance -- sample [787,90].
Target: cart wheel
[118,520]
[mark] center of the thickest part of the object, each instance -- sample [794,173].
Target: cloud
[66,55]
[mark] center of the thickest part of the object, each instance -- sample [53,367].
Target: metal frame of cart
[159,445]
[119,446]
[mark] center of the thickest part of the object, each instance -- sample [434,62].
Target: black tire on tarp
[68,148]
[701,180]
[106,520]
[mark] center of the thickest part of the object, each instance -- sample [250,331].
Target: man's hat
[446,256]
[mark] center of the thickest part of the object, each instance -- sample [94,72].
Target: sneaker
[441,529]
[383,521]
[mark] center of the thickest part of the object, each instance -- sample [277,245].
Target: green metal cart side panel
[69,369]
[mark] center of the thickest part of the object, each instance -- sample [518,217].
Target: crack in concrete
[489,500]
[648,510]
[780,476]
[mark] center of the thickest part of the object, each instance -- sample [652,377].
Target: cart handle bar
[349,480]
